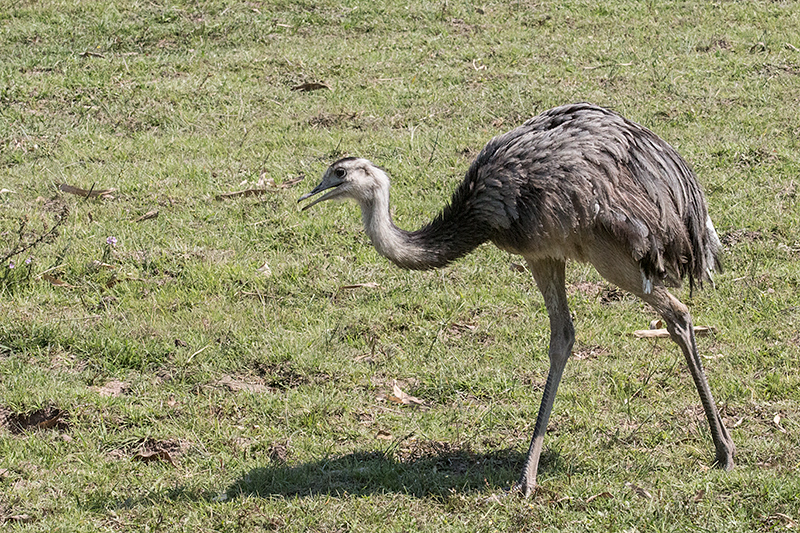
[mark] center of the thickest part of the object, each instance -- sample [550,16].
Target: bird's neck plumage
[389,240]
[445,239]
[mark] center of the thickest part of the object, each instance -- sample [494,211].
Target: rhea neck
[454,232]
[389,240]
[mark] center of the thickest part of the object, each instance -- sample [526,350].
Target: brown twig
[22,248]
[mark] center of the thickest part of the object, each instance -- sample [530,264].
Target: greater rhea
[576,182]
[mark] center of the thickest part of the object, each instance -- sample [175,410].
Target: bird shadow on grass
[439,470]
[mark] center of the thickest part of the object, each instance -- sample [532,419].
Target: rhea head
[351,177]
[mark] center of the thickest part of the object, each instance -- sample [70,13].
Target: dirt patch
[281,376]
[149,450]
[607,293]
[278,452]
[338,120]
[610,295]
[269,377]
[457,330]
[284,375]
[590,289]
[533,380]
[589,352]
[795,340]
[448,456]
[463,27]
[113,389]
[757,156]
[235,384]
[452,458]
[41,419]
[716,43]
[734,237]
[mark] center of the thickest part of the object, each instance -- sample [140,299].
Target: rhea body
[577,182]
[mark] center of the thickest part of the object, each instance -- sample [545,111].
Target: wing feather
[581,168]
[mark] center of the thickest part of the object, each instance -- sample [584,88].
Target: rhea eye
[340,173]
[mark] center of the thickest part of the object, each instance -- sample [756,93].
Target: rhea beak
[328,182]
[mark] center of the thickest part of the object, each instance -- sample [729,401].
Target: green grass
[269,390]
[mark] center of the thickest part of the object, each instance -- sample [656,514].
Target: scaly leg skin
[679,324]
[527,480]
[549,275]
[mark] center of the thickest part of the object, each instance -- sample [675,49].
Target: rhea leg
[679,324]
[549,276]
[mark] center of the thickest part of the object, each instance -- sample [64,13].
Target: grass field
[177,358]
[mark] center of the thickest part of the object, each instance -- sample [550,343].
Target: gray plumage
[578,170]
[576,182]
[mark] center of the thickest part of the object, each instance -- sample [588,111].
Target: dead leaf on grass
[603,495]
[664,334]
[56,281]
[384,435]
[113,281]
[367,285]
[287,184]
[244,193]
[790,523]
[777,422]
[242,443]
[99,265]
[103,194]
[156,455]
[398,396]
[639,491]
[734,237]
[265,270]
[147,216]
[112,389]
[365,357]
[310,86]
